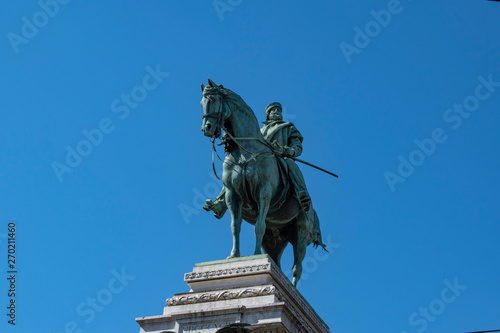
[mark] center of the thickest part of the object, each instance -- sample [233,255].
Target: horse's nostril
[208,126]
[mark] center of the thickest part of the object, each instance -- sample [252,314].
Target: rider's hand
[278,149]
[289,151]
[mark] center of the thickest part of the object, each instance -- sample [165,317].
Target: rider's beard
[275,117]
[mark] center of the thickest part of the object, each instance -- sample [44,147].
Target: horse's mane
[234,101]
[232,97]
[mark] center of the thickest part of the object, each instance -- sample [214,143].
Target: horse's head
[215,109]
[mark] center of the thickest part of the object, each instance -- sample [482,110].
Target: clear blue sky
[412,250]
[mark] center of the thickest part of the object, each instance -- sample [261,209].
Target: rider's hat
[272,105]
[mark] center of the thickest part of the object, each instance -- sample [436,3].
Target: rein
[220,124]
[213,157]
[256,139]
[214,152]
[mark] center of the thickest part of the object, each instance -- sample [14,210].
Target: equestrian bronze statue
[262,183]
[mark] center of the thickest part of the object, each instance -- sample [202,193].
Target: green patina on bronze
[262,183]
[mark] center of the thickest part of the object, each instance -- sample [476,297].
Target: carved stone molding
[299,321]
[299,299]
[221,295]
[226,272]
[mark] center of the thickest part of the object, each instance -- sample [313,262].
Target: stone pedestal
[248,290]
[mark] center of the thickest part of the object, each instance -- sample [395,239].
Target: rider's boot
[304,199]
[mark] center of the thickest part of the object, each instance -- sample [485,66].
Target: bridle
[220,127]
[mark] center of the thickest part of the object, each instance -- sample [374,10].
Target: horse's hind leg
[274,243]
[299,243]
[234,205]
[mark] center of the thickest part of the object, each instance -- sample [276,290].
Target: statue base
[249,291]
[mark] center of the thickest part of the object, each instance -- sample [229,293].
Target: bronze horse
[256,189]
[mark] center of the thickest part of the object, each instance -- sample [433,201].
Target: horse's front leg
[263,202]
[234,205]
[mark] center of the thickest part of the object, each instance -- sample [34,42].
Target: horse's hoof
[209,205]
[235,255]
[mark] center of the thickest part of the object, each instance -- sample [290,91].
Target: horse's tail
[308,227]
[317,231]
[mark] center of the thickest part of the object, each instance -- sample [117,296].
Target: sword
[311,165]
[299,160]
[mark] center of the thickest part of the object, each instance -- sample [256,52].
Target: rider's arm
[294,147]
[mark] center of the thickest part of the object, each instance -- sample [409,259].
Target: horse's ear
[202,87]
[211,83]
